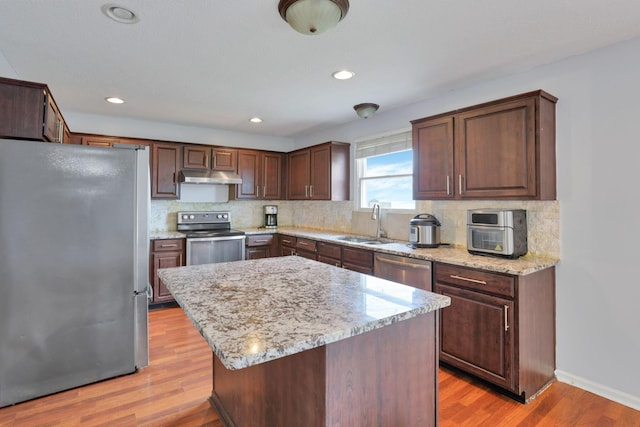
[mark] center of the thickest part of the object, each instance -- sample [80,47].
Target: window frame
[384,141]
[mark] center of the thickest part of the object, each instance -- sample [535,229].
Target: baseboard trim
[599,389]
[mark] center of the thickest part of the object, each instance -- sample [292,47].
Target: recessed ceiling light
[120,14]
[255,120]
[343,75]
[114,100]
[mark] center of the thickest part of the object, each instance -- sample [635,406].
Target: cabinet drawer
[287,241]
[166,245]
[306,244]
[259,240]
[329,250]
[475,279]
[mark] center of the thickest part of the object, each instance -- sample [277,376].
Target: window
[384,169]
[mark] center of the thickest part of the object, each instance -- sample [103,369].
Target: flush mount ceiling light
[313,16]
[120,14]
[343,75]
[366,109]
[114,100]
[255,120]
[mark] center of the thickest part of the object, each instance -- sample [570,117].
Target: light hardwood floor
[173,391]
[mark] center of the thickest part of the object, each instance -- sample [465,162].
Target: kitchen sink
[364,240]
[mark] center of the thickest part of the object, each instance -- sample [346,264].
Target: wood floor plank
[173,392]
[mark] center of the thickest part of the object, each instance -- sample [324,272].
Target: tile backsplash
[543,218]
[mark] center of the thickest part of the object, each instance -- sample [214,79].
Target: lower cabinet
[306,248]
[360,260]
[287,245]
[260,246]
[499,327]
[329,253]
[165,253]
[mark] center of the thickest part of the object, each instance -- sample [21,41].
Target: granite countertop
[446,254]
[254,311]
[158,235]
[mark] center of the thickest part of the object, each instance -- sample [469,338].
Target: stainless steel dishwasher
[405,270]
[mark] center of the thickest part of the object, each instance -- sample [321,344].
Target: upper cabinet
[206,157]
[28,111]
[503,149]
[262,175]
[165,165]
[320,172]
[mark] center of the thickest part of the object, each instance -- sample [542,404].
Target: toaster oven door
[493,240]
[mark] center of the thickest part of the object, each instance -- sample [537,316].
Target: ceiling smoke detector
[312,17]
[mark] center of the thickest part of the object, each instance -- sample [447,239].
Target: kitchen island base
[384,377]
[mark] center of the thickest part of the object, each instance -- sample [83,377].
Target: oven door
[492,240]
[208,250]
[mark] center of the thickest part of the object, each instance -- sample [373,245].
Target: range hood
[194,176]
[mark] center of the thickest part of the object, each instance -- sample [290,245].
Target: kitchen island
[297,342]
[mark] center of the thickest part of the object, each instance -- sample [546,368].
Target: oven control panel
[206,217]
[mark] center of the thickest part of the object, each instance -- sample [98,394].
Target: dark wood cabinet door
[298,176]
[496,151]
[477,335]
[21,110]
[320,173]
[360,260]
[433,176]
[165,164]
[249,170]
[196,157]
[271,173]
[164,260]
[224,159]
[258,252]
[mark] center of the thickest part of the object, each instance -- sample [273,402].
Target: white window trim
[399,138]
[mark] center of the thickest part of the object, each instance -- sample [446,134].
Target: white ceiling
[216,63]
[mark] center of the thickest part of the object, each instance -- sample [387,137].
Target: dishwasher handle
[418,264]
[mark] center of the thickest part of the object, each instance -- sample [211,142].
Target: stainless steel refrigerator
[73,265]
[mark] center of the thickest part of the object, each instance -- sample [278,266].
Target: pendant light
[313,16]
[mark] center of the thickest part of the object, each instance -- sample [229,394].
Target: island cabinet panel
[165,164]
[500,328]
[165,253]
[503,149]
[371,379]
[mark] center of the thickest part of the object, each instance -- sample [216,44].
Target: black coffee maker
[271,216]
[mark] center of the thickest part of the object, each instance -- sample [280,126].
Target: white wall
[598,165]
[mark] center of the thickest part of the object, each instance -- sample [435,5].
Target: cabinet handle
[303,243]
[286,241]
[260,241]
[448,186]
[506,318]
[306,191]
[257,191]
[60,131]
[460,184]
[311,191]
[169,246]
[466,279]
[264,191]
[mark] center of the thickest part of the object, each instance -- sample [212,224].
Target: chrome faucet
[375,215]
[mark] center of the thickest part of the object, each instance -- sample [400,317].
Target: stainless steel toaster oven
[497,232]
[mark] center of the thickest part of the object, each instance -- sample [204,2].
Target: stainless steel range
[210,238]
